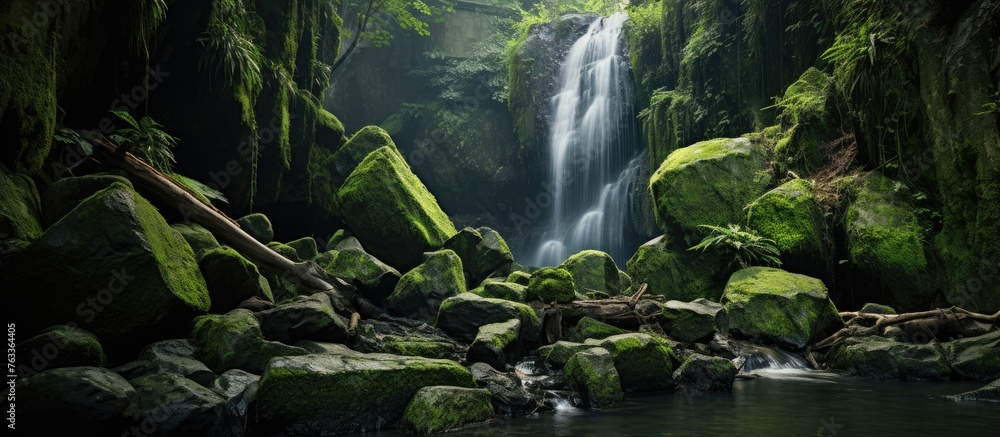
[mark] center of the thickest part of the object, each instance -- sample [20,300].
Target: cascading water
[592,146]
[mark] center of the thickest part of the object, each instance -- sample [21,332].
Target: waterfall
[592,148]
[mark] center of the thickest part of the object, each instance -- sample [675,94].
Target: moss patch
[592,374]
[20,207]
[593,270]
[676,273]
[551,285]
[438,409]
[591,328]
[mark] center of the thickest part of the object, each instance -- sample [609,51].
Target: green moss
[234,341]
[791,216]
[644,362]
[592,374]
[20,207]
[502,290]
[419,291]
[438,409]
[676,273]
[808,121]
[258,226]
[591,328]
[552,285]
[593,270]
[520,278]
[199,238]
[231,278]
[556,355]
[874,308]
[305,247]
[285,251]
[329,130]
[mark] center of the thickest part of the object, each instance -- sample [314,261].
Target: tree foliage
[745,246]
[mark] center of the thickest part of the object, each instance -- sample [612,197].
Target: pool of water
[778,403]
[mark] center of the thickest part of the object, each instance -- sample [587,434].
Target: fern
[745,246]
[204,192]
[143,18]
[146,139]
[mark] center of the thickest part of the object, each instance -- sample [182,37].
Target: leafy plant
[142,19]
[147,140]
[745,246]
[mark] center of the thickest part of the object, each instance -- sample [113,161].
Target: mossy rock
[337,237]
[987,393]
[178,405]
[874,308]
[700,372]
[389,209]
[98,400]
[356,149]
[975,358]
[593,270]
[483,252]
[304,318]
[590,328]
[20,207]
[645,363]
[557,354]
[592,374]
[65,194]
[708,183]
[403,337]
[234,341]
[329,130]
[496,344]
[112,264]
[694,321]
[462,315]
[809,120]
[305,247]
[375,279]
[176,357]
[776,306]
[502,290]
[200,239]
[520,278]
[59,346]
[328,393]
[676,274]
[882,358]
[285,251]
[258,226]
[551,284]
[419,292]
[438,409]
[792,217]
[886,243]
[231,279]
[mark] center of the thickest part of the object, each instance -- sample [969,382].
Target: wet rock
[304,318]
[592,374]
[496,344]
[59,346]
[174,405]
[175,357]
[644,362]
[700,372]
[258,226]
[96,401]
[406,337]
[239,389]
[987,393]
[591,328]
[438,409]
[975,358]
[694,321]
[509,395]
[556,355]
[231,279]
[234,341]
[374,279]
[483,252]
[882,358]
[419,293]
[462,315]
[199,238]
[65,194]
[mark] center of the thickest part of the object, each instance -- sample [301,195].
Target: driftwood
[308,276]
[616,312]
[941,323]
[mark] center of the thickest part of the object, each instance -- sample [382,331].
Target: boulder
[776,306]
[591,328]
[987,393]
[389,209]
[199,238]
[520,278]
[304,318]
[327,393]
[419,292]
[874,308]
[405,337]
[882,358]
[483,252]
[502,290]
[551,285]
[231,279]
[509,394]
[176,357]
[792,217]
[58,346]
[694,321]
[374,279]
[705,373]
[975,358]
[496,344]
[644,362]
[337,237]
[258,226]
[234,341]
[20,207]
[438,409]
[329,130]
[305,247]
[462,315]
[113,266]
[593,270]
[239,389]
[885,242]
[174,405]
[96,401]
[557,354]
[708,183]
[348,157]
[592,374]
[285,251]
[676,273]
[65,194]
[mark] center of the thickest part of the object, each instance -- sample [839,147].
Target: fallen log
[944,322]
[308,276]
[616,312]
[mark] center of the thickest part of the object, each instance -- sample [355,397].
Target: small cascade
[592,147]
[766,358]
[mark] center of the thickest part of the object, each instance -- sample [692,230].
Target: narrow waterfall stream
[592,147]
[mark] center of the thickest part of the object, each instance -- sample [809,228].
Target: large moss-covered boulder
[593,270]
[258,226]
[792,217]
[592,374]
[774,305]
[231,279]
[404,337]
[882,358]
[588,327]
[557,354]
[551,284]
[483,252]
[496,344]
[179,406]
[329,393]
[886,243]
[645,363]
[97,401]
[439,408]
[200,239]
[348,157]
[305,247]
[20,207]
[677,274]
[112,265]
[304,318]
[329,130]
[708,183]
[58,346]
[462,315]
[694,321]
[502,290]
[419,293]
[975,358]
[809,119]
[391,211]
[65,194]
[700,372]
[234,341]
[375,279]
